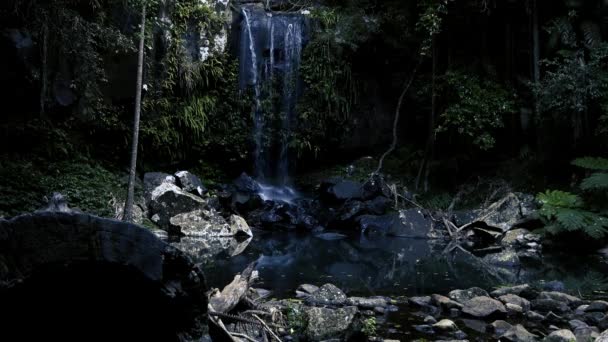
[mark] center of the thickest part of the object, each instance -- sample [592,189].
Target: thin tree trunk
[128,211]
[406,87]
[44,76]
[429,151]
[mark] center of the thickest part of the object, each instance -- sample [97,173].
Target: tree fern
[597,181]
[591,163]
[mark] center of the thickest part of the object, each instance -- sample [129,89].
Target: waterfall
[270,54]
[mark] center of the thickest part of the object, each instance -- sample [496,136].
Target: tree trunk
[128,211]
[406,87]
[44,75]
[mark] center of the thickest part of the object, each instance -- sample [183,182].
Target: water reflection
[364,266]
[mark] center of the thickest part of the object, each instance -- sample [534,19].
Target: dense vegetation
[475,107]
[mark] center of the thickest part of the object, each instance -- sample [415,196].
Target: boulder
[420,301]
[326,323]
[445,325]
[378,206]
[368,303]
[603,337]
[445,302]
[518,333]
[238,226]
[515,299]
[327,294]
[339,190]
[205,249]
[167,200]
[153,180]
[523,290]
[507,212]
[506,258]
[549,305]
[562,335]
[190,183]
[482,307]
[462,296]
[244,183]
[208,223]
[499,327]
[598,305]
[514,238]
[410,223]
[562,297]
[306,290]
[514,308]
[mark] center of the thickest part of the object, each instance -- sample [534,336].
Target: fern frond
[572,219]
[596,181]
[560,199]
[592,163]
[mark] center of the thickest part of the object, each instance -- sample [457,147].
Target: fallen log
[235,292]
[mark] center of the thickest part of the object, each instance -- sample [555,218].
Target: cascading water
[270,54]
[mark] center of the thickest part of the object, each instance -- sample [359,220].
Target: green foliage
[475,107]
[297,320]
[430,22]
[326,69]
[575,81]
[566,212]
[86,185]
[370,327]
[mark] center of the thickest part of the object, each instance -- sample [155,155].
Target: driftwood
[234,292]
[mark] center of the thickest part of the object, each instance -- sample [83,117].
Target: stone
[190,183]
[534,316]
[603,337]
[518,290]
[82,244]
[445,325]
[514,308]
[445,302]
[430,320]
[505,258]
[499,327]
[368,303]
[594,317]
[239,227]
[518,333]
[167,200]
[482,307]
[598,305]
[305,290]
[378,206]
[560,296]
[326,323]
[515,299]
[462,296]
[475,324]
[546,305]
[409,223]
[244,183]
[505,213]
[201,223]
[425,329]
[153,180]
[327,294]
[420,301]
[339,190]
[563,335]
[514,238]
[580,310]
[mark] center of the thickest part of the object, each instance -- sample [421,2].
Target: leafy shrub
[567,212]
[369,327]
[87,186]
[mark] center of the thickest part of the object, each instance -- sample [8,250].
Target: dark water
[387,266]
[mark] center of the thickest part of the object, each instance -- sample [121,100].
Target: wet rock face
[482,307]
[83,258]
[325,323]
[327,294]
